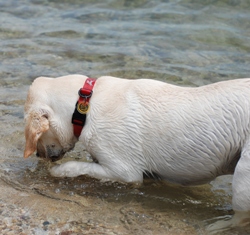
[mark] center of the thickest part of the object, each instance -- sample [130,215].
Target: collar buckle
[85,96]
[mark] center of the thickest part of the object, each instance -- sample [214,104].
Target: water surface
[185,42]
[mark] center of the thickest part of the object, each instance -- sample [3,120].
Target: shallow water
[182,42]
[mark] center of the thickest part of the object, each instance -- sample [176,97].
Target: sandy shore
[27,212]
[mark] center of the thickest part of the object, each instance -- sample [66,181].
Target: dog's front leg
[74,169]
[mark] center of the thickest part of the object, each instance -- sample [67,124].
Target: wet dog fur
[185,135]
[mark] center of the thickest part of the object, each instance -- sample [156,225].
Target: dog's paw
[68,169]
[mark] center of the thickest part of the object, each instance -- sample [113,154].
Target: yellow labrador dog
[184,135]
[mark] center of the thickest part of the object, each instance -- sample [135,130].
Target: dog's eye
[53,145]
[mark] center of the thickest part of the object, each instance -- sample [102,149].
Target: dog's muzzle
[50,157]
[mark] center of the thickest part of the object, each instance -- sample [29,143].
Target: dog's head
[41,137]
[47,131]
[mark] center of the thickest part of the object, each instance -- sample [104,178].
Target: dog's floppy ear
[36,124]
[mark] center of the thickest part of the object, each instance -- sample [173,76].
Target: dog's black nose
[55,158]
[37,154]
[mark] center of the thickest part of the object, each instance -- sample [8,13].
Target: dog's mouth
[51,158]
[50,153]
[55,158]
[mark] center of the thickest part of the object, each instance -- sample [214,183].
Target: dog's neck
[82,106]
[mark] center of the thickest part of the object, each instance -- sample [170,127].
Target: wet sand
[40,212]
[39,204]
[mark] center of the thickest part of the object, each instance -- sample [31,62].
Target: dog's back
[185,135]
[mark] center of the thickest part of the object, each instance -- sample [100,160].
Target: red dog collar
[82,106]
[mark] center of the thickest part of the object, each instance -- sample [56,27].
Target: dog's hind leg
[241,187]
[74,169]
[241,195]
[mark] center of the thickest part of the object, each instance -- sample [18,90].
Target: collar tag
[82,106]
